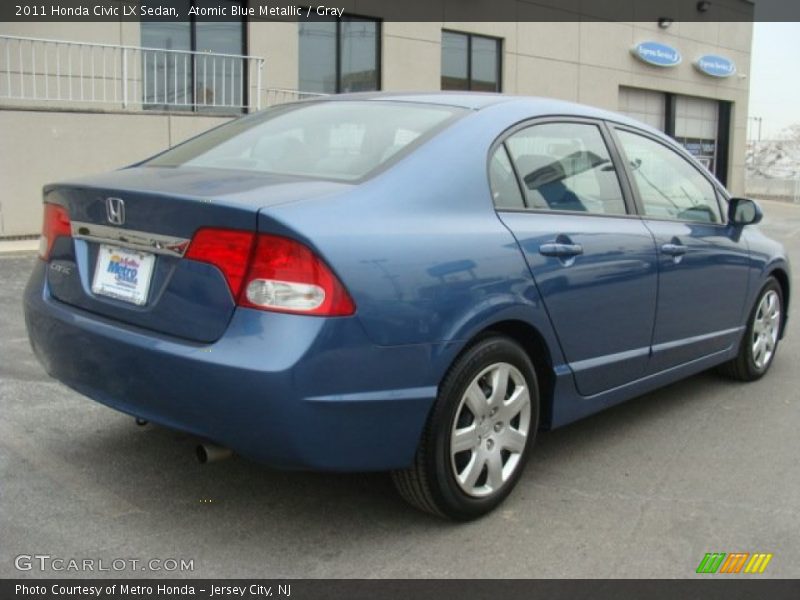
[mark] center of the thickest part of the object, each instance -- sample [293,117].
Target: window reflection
[566,166]
[670,187]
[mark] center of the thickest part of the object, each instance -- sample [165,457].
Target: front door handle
[560,250]
[674,249]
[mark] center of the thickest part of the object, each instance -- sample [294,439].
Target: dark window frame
[338,61]
[194,107]
[500,47]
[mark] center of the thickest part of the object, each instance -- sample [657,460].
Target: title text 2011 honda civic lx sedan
[409,283]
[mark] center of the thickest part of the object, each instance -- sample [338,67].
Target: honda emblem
[115,211]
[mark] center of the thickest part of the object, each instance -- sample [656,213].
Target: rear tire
[479,433]
[760,341]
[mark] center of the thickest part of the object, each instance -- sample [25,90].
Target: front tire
[760,341]
[478,435]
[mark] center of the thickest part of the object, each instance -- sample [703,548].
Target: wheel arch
[535,346]
[782,278]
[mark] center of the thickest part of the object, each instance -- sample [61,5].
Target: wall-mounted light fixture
[703,6]
[665,22]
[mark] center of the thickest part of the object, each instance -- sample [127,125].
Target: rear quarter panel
[420,247]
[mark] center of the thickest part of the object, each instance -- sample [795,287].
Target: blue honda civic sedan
[409,283]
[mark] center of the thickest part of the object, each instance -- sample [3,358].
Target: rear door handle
[674,249]
[560,250]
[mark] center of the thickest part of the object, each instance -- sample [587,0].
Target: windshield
[343,140]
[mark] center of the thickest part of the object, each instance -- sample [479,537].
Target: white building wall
[580,61]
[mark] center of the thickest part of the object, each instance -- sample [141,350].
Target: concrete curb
[18,246]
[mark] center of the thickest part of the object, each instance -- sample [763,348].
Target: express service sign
[656,53]
[716,66]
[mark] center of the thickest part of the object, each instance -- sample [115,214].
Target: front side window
[470,62]
[338,56]
[669,186]
[330,140]
[566,167]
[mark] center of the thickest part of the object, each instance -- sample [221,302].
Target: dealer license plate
[123,274]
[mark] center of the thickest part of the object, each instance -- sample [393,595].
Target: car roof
[535,106]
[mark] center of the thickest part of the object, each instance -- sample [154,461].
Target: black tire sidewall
[747,345]
[446,491]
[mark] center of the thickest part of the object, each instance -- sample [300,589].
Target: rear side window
[669,186]
[566,167]
[341,140]
[505,190]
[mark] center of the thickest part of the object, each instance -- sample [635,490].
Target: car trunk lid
[130,232]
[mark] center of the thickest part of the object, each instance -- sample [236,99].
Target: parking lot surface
[642,490]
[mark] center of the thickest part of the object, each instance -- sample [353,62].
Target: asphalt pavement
[644,489]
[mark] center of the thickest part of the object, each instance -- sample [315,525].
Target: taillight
[226,249]
[274,273]
[56,224]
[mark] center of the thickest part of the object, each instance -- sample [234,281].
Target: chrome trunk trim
[137,240]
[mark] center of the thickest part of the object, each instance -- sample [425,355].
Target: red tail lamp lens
[56,224]
[271,272]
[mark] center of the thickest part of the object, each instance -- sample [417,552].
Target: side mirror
[743,211]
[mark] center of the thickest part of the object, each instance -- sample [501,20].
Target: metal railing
[43,71]
[784,188]
[281,95]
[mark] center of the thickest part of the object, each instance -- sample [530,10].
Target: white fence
[59,73]
[778,189]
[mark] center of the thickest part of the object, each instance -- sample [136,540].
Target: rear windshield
[342,140]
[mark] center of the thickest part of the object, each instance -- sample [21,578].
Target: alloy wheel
[490,430]
[766,327]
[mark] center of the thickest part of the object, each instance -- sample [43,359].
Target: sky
[774,81]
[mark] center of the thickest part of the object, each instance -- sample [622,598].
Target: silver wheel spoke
[513,440]
[476,400]
[757,349]
[519,400]
[473,470]
[499,385]
[758,326]
[494,465]
[465,439]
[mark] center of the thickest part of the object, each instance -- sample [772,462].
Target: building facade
[78,98]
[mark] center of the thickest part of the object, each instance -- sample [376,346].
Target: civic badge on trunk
[115,211]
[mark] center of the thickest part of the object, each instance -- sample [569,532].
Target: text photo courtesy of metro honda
[399,282]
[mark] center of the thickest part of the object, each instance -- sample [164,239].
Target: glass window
[566,166]
[337,56]
[669,186]
[359,55]
[470,62]
[485,74]
[219,80]
[318,56]
[503,181]
[166,83]
[455,61]
[329,140]
[183,81]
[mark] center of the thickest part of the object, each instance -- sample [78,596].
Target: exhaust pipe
[207,453]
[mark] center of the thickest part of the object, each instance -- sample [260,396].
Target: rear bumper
[290,391]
